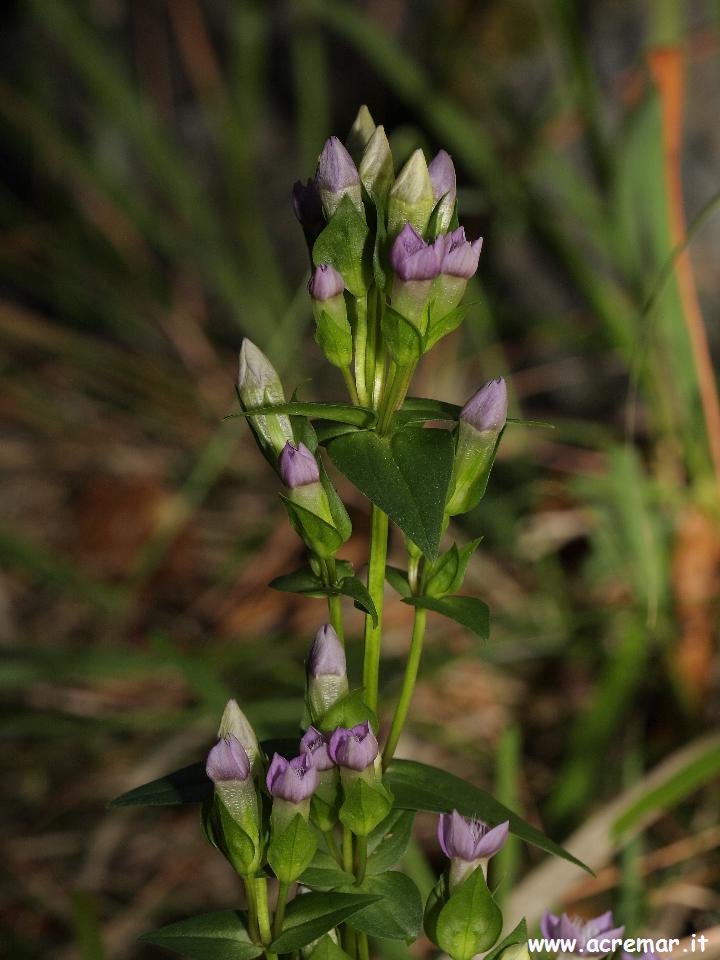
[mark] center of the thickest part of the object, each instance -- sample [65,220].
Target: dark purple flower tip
[325,282]
[298,466]
[487,409]
[336,170]
[573,928]
[307,205]
[227,761]
[355,748]
[442,175]
[470,840]
[413,259]
[293,780]
[327,656]
[316,744]
[460,257]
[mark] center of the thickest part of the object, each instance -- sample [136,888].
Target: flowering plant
[315,825]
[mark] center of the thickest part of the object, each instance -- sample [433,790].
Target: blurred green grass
[146,226]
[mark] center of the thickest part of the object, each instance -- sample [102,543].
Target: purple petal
[336,170]
[327,656]
[298,466]
[442,174]
[487,409]
[462,838]
[292,780]
[316,744]
[549,925]
[325,282]
[227,761]
[492,841]
[413,259]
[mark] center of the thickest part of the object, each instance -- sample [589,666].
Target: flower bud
[234,723]
[469,844]
[360,133]
[316,744]
[482,419]
[332,329]
[300,473]
[259,385]
[376,166]
[336,176]
[227,761]
[416,265]
[298,467]
[459,262]
[326,672]
[235,804]
[583,934]
[325,802]
[291,783]
[444,186]
[354,749]
[411,197]
[308,210]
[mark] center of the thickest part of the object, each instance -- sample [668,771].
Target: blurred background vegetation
[149,147]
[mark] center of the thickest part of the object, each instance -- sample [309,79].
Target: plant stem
[347,850]
[263,914]
[350,384]
[411,672]
[360,858]
[360,332]
[363,949]
[333,847]
[398,386]
[334,603]
[349,941]
[251,895]
[376,588]
[280,909]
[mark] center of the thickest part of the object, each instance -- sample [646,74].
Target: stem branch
[376,588]
[280,909]
[411,672]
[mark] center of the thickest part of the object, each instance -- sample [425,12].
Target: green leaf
[406,474]
[398,580]
[323,873]
[311,915]
[418,409]
[302,581]
[354,588]
[347,712]
[337,507]
[397,915]
[470,922]
[341,412]
[327,430]
[517,939]
[188,785]
[418,786]
[292,850]
[365,806]
[389,840]
[441,327]
[319,536]
[211,936]
[448,572]
[401,337]
[327,949]
[467,611]
[344,244]
[334,339]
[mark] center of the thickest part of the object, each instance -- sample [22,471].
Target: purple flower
[460,257]
[336,176]
[298,467]
[292,780]
[316,744]
[463,839]
[327,656]
[355,748]
[325,282]
[413,259]
[442,175]
[227,761]
[487,409]
[582,932]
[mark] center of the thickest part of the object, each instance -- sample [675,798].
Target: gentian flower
[469,843]
[332,331]
[459,263]
[326,672]
[416,264]
[234,723]
[586,934]
[444,186]
[292,780]
[228,766]
[411,197]
[481,422]
[355,748]
[258,385]
[337,176]
[376,166]
[298,467]
[227,761]
[325,283]
[360,133]
[316,744]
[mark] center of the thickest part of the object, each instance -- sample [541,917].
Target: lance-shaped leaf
[311,915]
[418,786]
[406,474]
[397,915]
[307,583]
[210,936]
[340,412]
[389,840]
[469,612]
[345,245]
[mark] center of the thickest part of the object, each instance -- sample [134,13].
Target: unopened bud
[411,197]
[355,748]
[259,386]
[298,467]
[360,133]
[332,328]
[458,264]
[376,166]
[337,176]
[442,176]
[234,723]
[327,672]
[416,264]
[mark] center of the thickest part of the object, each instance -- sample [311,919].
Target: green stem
[263,915]
[411,672]
[363,949]
[373,337]
[251,895]
[376,588]
[349,941]
[360,331]
[360,858]
[333,847]
[398,387]
[280,909]
[350,384]
[334,603]
[347,850]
